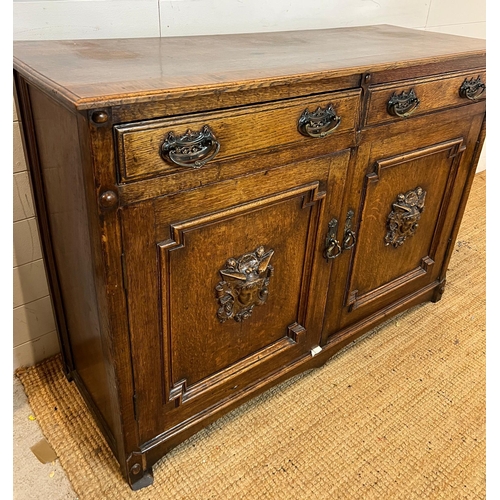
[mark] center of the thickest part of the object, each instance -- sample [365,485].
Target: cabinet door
[226,285]
[401,208]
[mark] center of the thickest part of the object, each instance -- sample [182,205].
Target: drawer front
[412,98]
[166,146]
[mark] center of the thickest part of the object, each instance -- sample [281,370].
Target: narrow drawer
[166,146]
[401,100]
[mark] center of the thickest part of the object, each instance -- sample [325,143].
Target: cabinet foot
[146,480]
[438,291]
[139,476]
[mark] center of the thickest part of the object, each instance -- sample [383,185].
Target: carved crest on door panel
[402,222]
[244,284]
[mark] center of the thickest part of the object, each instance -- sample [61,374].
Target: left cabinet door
[226,286]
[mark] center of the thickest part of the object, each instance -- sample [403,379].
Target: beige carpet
[398,415]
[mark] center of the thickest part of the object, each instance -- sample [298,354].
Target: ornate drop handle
[349,235]
[192,149]
[403,105]
[332,245]
[472,89]
[320,123]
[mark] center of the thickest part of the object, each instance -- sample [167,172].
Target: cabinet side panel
[56,131]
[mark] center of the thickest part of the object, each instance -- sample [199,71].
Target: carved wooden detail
[244,284]
[406,211]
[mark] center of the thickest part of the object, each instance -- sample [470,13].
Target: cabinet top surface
[87,73]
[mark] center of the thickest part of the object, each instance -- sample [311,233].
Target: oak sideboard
[219,213]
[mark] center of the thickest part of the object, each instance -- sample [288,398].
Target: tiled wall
[34,329]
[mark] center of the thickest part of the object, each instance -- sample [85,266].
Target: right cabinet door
[400,211]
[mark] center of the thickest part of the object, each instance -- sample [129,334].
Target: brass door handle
[320,123]
[332,245]
[349,235]
[192,149]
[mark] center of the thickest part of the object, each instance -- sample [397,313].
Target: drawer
[412,98]
[166,146]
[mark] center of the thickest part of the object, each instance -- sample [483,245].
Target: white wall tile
[33,320]
[23,201]
[18,151]
[474,30]
[30,283]
[446,12]
[26,242]
[33,352]
[195,17]
[63,20]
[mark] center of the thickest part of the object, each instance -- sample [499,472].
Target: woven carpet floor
[398,415]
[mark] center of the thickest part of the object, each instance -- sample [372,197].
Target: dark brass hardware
[192,149]
[349,235]
[332,245]
[406,211]
[320,123]
[403,105]
[244,284]
[472,89]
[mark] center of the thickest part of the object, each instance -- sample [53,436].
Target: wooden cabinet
[221,213]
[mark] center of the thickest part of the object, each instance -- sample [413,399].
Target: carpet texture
[398,415]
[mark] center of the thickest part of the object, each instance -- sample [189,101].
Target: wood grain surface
[87,73]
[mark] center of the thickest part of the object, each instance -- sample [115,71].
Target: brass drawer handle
[332,245]
[192,149]
[472,89]
[320,123]
[404,104]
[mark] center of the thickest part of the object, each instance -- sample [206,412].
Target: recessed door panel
[403,207]
[221,308]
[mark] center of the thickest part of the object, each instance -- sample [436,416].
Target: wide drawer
[165,146]
[401,100]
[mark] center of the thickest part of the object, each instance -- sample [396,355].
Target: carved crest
[244,284]
[403,219]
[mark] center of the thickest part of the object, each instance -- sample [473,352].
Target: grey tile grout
[28,263]
[35,339]
[31,301]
